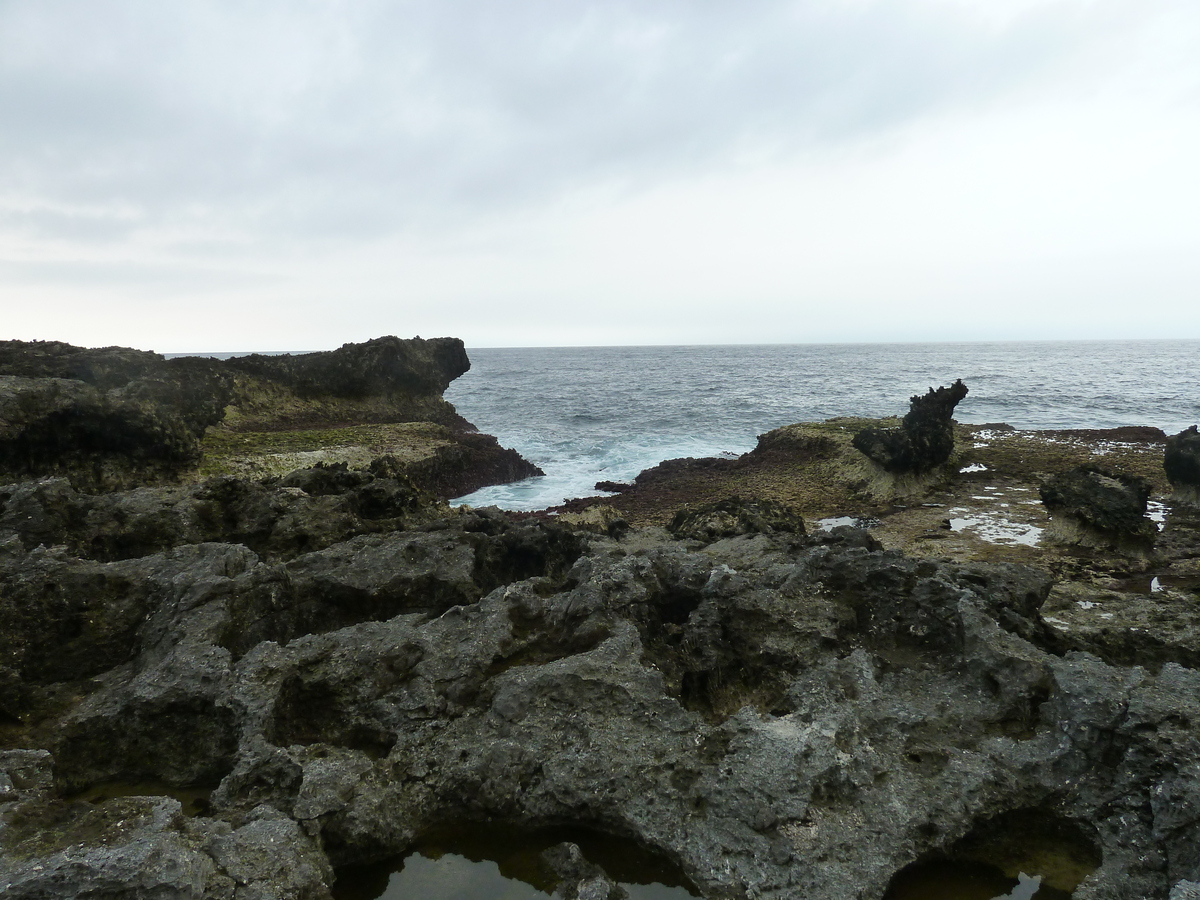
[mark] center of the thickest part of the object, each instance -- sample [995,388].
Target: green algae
[266,453]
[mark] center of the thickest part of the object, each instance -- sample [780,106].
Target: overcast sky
[297,174]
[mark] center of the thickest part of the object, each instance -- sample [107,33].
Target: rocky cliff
[115,418]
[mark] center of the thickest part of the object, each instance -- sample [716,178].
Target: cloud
[328,119]
[314,171]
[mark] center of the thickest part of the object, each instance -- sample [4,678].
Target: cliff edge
[114,417]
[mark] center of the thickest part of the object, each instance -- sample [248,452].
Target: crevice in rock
[316,711]
[178,742]
[1035,841]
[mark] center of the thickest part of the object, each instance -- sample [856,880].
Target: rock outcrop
[1182,465]
[1095,507]
[114,418]
[925,438]
[779,714]
[728,518]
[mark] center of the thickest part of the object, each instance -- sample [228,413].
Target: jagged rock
[925,438]
[275,518]
[1095,507]
[1182,464]
[735,516]
[577,878]
[782,715]
[57,426]
[613,487]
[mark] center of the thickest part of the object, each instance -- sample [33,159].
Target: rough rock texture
[140,431]
[782,715]
[925,438]
[577,878]
[727,518]
[115,418]
[1093,506]
[1182,464]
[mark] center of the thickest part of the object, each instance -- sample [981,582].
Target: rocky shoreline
[114,418]
[234,688]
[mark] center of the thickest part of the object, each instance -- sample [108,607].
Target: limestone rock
[1095,507]
[733,516]
[925,438]
[1182,464]
[113,418]
[781,715]
[577,878]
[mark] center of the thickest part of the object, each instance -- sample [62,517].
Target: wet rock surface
[781,714]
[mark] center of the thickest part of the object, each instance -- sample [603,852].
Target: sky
[297,174]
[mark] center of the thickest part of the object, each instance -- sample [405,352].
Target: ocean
[588,414]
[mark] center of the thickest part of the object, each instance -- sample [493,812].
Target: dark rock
[113,418]
[54,426]
[1092,506]
[578,879]
[276,519]
[1182,464]
[781,715]
[925,438]
[473,461]
[734,516]
[670,469]
[613,487]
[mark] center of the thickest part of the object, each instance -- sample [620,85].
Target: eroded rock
[780,714]
[1182,464]
[925,438]
[1094,507]
[115,418]
[733,516]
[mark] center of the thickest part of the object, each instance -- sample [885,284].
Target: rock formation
[238,688]
[727,518]
[925,438]
[782,715]
[114,418]
[1182,464]
[1096,507]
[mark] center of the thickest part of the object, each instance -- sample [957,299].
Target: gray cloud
[326,120]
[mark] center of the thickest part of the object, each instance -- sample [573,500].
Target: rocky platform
[234,712]
[114,418]
[247,688]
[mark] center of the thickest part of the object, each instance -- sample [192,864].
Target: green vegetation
[263,453]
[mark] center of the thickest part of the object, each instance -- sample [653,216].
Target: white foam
[973,467]
[1157,513]
[573,471]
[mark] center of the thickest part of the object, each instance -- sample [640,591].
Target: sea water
[588,414]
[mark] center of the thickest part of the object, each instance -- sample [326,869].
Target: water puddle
[1027,854]
[847,521]
[1156,583]
[195,800]
[505,863]
[995,528]
[1157,513]
[962,880]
